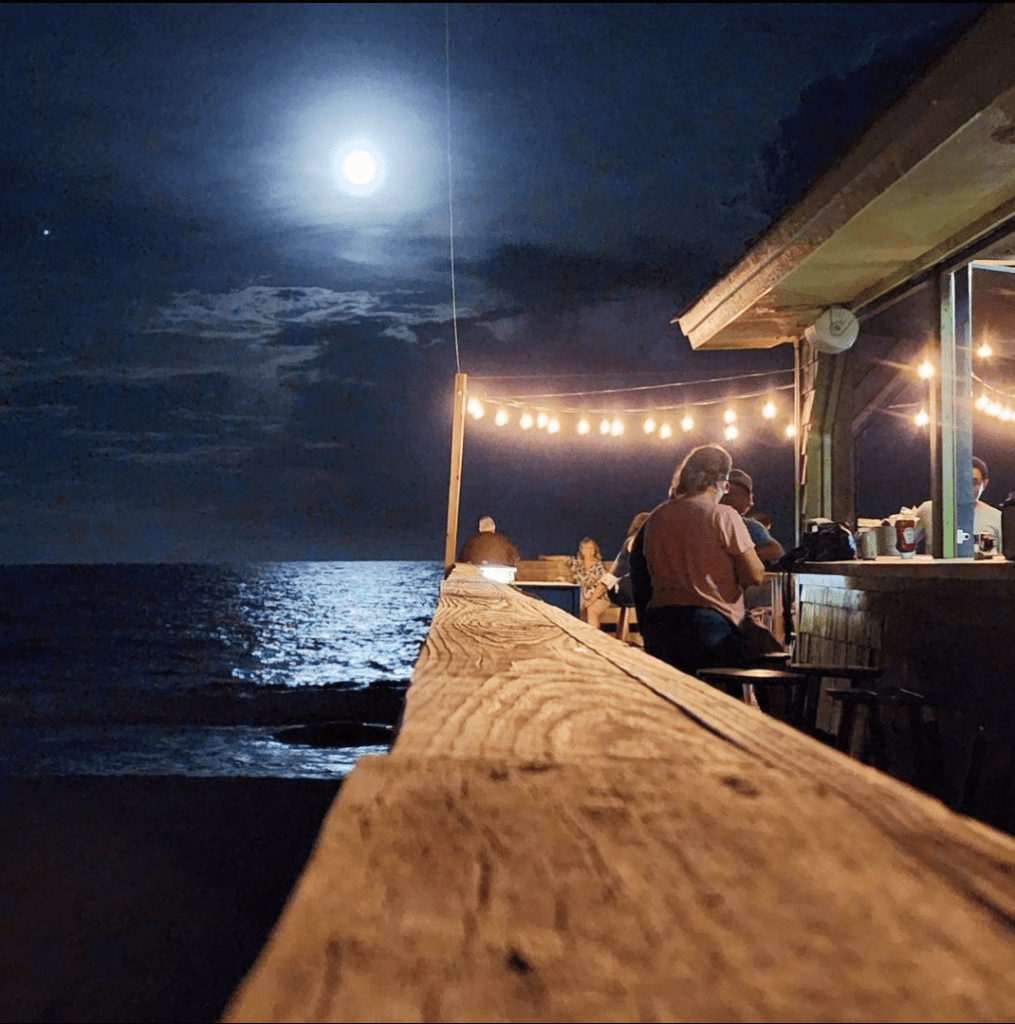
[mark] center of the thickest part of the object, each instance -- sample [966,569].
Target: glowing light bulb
[791,430]
[553,427]
[665,431]
[686,423]
[604,427]
[584,426]
[768,411]
[541,420]
[732,433]
[501,418]
[475,408]
[925,370]
[650,425]
[981,402]
[617,427]
[729,416]
[985,351]
[921,419]
[526,421]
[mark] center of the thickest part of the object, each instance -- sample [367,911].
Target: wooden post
[455,479]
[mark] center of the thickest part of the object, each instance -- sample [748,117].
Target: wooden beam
[569,830]
[455,475]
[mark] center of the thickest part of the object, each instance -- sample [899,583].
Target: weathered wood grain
[449,889]
[569,830]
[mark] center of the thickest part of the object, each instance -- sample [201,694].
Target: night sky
[217,348]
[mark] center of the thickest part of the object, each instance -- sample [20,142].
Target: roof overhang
[930,177]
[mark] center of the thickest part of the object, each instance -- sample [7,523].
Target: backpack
[823,541]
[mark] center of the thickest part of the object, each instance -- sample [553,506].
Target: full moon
[359,167]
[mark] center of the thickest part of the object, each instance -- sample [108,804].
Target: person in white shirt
[986,518]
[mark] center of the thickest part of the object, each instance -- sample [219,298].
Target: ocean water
[206,670]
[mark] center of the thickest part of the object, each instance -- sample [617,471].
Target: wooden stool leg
[847,712]
[623,623]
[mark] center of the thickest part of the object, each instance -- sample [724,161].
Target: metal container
[886,539]
[866,544]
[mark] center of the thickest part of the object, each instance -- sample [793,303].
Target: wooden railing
[569,830]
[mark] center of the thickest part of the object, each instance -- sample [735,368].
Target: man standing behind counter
[986,518]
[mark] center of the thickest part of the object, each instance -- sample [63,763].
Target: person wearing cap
[740,496]
[986,518]
[488,547]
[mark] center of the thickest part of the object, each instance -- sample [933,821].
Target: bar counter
[940,627]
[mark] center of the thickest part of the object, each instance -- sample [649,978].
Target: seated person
[986,518]
[488,547]
[740,496]
[616,584]
[587,570]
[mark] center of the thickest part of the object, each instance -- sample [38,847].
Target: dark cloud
[540,277]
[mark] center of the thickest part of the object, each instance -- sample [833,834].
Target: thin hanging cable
[523,402]
[645,387]
[990,387]
[451,201]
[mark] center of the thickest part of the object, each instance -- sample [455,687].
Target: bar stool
[849,699]
[737,683]
[925,748]
[862,676]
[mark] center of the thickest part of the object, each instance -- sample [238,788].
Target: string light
[660,422]
[984,351]
[921,419]
[925,370]
[992,407]
[791,430]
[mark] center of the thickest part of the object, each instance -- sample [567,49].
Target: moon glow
[359,167]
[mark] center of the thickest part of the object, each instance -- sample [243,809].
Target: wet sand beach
[143,899]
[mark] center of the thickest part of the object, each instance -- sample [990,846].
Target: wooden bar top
[917,567]
[569,830]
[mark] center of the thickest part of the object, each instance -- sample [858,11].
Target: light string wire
[451,201]
[526,401]
[633,387]
[997,391]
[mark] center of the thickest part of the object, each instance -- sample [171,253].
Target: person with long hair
[615,585]
[689,566]
[587,570]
